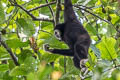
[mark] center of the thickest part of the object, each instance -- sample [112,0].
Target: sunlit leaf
[9,10]
[98,2]
[106,47]
[115,18]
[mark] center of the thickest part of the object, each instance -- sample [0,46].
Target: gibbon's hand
[46,47]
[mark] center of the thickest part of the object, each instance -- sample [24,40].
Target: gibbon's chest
[69,39]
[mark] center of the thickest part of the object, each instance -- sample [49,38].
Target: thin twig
[111,68]
[52,12]
[46,32]
[84,16]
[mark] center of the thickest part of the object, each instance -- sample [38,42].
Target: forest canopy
[26,25]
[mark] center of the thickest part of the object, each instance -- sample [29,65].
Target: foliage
[25,33]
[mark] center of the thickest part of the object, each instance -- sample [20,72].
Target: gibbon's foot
[76,62]
[84,74]
[82,65]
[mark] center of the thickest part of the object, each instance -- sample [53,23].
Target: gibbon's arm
[65,52]
[69,14]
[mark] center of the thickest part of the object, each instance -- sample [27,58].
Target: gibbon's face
[57,34]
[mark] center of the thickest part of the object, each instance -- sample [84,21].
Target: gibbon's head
[57,34]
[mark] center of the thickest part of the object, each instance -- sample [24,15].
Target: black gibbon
[74,35]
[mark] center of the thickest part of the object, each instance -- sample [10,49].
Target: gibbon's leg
[65,52]
[76,62]
[81,52]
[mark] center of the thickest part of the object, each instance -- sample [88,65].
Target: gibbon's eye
[57,34]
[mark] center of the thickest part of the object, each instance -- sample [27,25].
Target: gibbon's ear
[57,34]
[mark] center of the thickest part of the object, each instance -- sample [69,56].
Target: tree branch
[14,58]
[44,5]
[84,6]
[91,13]
[31,15]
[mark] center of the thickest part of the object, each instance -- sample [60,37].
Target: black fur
[74,35]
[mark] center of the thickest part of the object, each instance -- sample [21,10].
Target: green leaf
[61,61]
[2,15]
[16,43]
[6,76]
[74,1]
[1,75]
[26,26]
[110,30]
[36,1]
[19,70]
[4,67]
[32,76]
[30,62]
[49,57]
[28,66]
[69,74]
[91,29]
[3,54]
[54,43]
[106,47]
[23,55]
[92,61]
[95,50]
[44,73]
[45,24]
[11,64]
[10,9]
